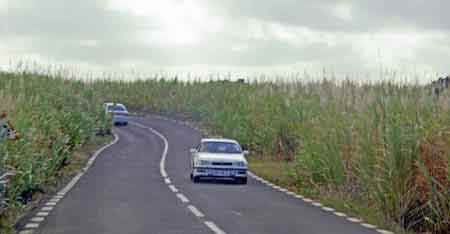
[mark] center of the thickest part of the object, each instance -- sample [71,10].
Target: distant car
[219,158]
[108,106]
[119,113]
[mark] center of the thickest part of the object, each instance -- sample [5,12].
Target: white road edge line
[317,204]
[182,198]
[307,200]
[214,228]
[340,214]
[354,220]
[299,196]
[173,188]
[32,225]
[47,208]
[29,231]
[42,214]
[162,163]
[37,219]
[367,225]
[384,231]
[195,211]
[45,211]
[328,209]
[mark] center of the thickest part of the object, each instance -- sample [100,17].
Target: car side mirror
[193,151]
[245,152]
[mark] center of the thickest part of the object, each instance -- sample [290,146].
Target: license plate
[223,173]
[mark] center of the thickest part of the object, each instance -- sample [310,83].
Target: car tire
[241,180]
[196,179]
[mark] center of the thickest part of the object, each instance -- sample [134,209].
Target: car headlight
[241,164]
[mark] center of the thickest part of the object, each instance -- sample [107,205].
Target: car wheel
[241,180]
[196,179]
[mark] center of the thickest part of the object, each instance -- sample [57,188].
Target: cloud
[343,15]
[66,19]
[347,35]
[3,5]
[55,27]
[424,15]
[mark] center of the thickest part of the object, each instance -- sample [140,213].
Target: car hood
[222,157]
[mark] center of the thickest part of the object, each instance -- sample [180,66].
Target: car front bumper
[120,119]
[220,172]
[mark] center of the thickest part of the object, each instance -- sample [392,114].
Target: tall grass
[360,139]
[54,118]
[380,143]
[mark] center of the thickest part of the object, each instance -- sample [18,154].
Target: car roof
[113,104]
[219,140]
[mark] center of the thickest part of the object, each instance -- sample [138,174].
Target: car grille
[222,164]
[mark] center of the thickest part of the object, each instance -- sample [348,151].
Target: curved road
[124,193]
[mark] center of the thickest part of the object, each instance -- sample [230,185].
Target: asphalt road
[124,193]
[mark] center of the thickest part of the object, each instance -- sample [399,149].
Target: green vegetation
[54,118]
[377,150]
[384,146]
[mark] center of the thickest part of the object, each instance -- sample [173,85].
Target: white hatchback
[219,158]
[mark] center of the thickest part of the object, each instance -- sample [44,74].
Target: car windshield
[119,108]
[220,147]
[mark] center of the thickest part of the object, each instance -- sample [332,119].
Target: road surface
[125,193]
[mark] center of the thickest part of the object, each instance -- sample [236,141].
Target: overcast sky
[346,37]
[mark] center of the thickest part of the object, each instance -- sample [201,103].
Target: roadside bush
[54,117]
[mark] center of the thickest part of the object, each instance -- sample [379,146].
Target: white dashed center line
[172,187]
[211,225]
